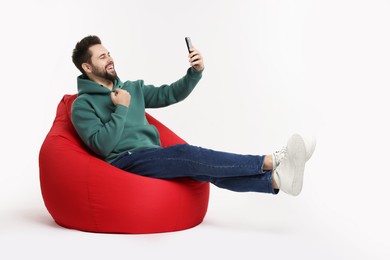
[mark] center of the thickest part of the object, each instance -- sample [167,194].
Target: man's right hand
[121,97]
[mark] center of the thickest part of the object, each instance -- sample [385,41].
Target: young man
[109,116]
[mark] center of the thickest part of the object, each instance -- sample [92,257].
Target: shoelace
[279,156]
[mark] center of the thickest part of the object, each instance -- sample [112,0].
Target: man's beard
[104,74]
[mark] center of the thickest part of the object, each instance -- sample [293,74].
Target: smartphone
[189,43]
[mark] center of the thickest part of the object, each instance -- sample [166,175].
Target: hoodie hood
[87,86]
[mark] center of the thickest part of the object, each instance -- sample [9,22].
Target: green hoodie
[110,130]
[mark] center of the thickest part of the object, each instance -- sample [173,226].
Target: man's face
[102,64]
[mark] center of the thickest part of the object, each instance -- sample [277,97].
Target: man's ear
[86,67]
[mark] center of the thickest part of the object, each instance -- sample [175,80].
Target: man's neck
[105,83]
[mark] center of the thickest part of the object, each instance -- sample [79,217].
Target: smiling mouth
[110,67]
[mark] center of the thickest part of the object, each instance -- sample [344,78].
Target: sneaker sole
[310,145]
[297,153]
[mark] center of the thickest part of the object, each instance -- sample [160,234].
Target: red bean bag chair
[83,192]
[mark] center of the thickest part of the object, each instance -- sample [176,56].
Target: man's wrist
[195,72]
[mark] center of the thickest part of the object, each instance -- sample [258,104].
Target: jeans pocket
[121,160]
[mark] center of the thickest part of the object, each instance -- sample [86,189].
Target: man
[109,116]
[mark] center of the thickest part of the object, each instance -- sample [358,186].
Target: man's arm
[100,137]
[177,91]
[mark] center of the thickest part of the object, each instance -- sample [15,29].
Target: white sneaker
[278,156]
[290,163]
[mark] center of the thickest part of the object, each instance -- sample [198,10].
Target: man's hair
[81,53]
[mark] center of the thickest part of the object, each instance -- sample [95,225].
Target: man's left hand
[196,59]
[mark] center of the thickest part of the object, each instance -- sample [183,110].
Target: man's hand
[196,59]
[121,97]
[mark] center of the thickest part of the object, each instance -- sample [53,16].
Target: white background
[272,68]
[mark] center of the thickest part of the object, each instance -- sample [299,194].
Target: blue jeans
[230,171]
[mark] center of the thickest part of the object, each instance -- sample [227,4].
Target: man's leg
[226,170]
[283,169]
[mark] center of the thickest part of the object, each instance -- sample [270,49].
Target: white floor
[237,226]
